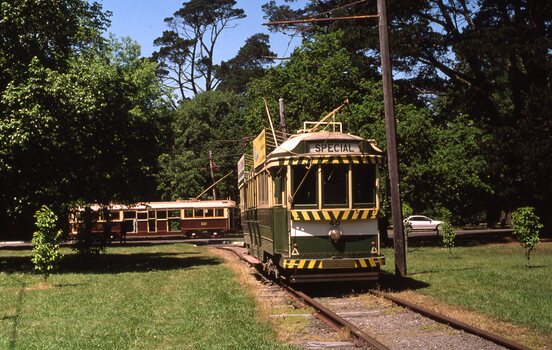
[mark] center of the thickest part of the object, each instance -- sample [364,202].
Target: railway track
[390,324]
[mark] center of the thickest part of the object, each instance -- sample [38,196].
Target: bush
[526,226]
[46,252]
[447,233]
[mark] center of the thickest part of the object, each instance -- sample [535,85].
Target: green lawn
[491,279]
[138,297]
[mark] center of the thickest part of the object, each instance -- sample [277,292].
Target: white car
[421,223]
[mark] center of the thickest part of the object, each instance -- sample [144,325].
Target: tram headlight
[335,234]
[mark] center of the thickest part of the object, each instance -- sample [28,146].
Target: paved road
[198,241]
[459,232]
[207,241]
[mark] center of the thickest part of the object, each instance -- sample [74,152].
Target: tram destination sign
[333,147]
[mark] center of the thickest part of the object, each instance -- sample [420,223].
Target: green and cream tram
[309,205]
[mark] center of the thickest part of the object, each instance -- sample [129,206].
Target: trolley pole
[282,115]
[211,165]
[390,128]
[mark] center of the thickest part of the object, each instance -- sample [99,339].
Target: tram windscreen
[304,186]
[364,184]
[334,185]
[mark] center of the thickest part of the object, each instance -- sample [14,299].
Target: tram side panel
[280,231]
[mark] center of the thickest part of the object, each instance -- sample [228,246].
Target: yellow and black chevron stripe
[315,215]
[294,160]
[317,264]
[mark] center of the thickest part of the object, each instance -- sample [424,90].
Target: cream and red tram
[179,218]
[309,205]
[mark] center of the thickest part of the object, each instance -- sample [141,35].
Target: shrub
[46,252]
[447,233]
[526,226]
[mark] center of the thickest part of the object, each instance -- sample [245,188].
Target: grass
[490,279]
[138,297]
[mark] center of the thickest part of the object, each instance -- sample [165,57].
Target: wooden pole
[390,128]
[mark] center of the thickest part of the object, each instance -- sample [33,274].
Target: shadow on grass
[464,240]
[444,270]
[114,263]
[387,282]
[15,318]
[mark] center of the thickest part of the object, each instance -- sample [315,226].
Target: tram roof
[292,144]
[181,204]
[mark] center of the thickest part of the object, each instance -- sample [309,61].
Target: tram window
[142,215]
[208,213]
[304,186]
[161,214]
[151,226]
[243,199]
[129,215]
[188,213]
[128,225]
[151,214]
[279,187]
[364,184]
[198,213]
[174,225]
[219,212]
[115,215]
[174,213]
[334,185]
[101,215]
[262,188]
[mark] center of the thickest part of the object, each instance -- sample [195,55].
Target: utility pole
[212,165]
[390,128]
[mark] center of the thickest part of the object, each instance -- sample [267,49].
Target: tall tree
[487,59]
[186,50]
[250,63]
[211,121]
[50,30]
[90,132]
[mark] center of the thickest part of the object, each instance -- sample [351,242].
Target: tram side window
[208,213]
[334,185]
[198,213]
[304,186]
[174,213]
[243,198]
[219,213]
[364,184]
[262,189]
[188,213]
[279,187]
[129,215]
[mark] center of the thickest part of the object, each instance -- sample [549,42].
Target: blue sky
[142,20]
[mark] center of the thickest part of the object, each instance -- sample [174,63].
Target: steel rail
[325,314]
[452,322]
[329,317]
